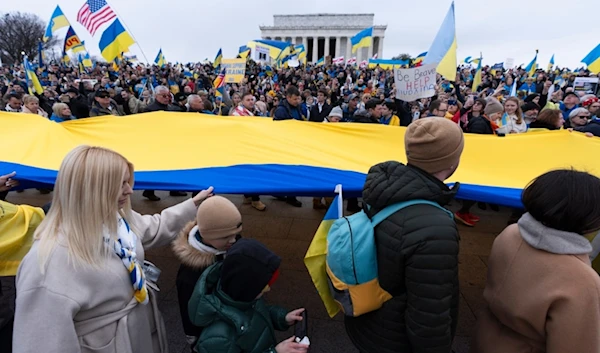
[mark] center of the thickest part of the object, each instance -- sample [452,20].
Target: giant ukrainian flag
[443,49]
[315,258]
[255,155]
[57,21]
[114,41]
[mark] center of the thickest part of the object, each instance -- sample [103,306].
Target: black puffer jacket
[417,256]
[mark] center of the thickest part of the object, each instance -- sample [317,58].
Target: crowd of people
[542,262]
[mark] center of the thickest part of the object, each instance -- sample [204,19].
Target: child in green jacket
[227,302]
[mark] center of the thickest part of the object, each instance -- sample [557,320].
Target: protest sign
[415,83]
[585,84]
[235,70]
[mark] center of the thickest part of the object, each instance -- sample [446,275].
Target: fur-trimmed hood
[187,254]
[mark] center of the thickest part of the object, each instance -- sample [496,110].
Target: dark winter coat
[230,326]
[417,258]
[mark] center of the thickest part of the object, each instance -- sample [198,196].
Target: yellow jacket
[17,225]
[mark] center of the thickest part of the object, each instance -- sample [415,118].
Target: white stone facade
[326,34]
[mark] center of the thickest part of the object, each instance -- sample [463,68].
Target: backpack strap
[390,210]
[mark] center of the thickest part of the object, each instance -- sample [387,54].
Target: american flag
[95,13]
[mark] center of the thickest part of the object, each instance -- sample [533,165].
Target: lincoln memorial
[326,34]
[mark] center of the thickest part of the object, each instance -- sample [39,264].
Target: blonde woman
[512,121]
[31,105]
[61,113]
[82,287]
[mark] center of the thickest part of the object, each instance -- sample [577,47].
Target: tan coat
[542,294]
[92,310]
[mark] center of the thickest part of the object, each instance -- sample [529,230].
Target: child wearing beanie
[227,303]
[200,244]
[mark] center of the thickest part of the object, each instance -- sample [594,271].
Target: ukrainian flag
[87,61]
[301,52]
[477,78]
[314,260]
[57,21]
[32,77]
[17,225]
[532,65]
[244,52]
[592,60]
[160,59]
[362,39]
[268,71]
[114,41]
[443,49]
[551,64]
[320,62]
[218,59]
[275,47]
[81,66]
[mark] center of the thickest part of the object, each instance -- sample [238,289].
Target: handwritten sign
[415,83]
[235,70]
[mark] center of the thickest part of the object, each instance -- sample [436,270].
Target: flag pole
[130,32]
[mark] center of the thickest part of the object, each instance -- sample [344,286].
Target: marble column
[348,48]
[326,49]
[370,49]
[305,43]
[315,49]
[380,49]
[338,49]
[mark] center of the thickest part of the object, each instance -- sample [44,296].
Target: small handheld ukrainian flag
[218,58]
[477,78]
[362,39]
[532,65]
[315,258]
[551,64]
[32,77]
[160,59]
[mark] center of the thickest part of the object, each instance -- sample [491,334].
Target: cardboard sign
[236,69]
[416,83]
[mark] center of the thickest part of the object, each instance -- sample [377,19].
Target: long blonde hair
[85,205]
[518,112]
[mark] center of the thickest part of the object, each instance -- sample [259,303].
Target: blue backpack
[352,259]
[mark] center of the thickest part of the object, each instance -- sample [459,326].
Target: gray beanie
[337,111]
[493,106]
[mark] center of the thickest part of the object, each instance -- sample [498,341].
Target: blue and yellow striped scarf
[124,247]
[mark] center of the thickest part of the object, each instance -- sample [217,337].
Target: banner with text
[415,83]
[235,70]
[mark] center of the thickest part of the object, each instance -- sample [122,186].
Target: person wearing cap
[489,122]
[570,102]
[180,101]
[530,112]
[350,108]
[335,115]
[227,303]
[417,247]
[201,243]
[104,105]
[78,104]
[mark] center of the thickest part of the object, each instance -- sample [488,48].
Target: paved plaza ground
[288,231]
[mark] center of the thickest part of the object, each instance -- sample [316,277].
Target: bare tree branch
[21,32]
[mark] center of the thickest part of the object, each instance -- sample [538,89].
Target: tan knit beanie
[218,217]
[433,144]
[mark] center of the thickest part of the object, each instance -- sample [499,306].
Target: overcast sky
[192,30]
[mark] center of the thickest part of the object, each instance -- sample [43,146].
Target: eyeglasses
[584,116]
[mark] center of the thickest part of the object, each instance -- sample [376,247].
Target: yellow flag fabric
[17,225]
[256,155]
[316,256]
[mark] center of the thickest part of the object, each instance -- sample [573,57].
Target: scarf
[124,247]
